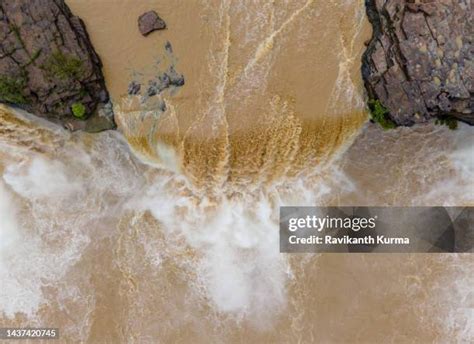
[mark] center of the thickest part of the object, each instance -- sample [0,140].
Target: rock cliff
[49,67]
[419,63]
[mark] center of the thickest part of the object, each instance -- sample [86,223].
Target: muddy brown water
[166,231]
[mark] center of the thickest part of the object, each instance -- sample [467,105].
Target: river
[167,230]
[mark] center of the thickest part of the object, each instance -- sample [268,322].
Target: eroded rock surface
[48,65]
[419,63]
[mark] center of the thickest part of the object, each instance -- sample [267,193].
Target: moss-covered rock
[79,110]
[48,47]
[11,90]
[380,114]
[64,66]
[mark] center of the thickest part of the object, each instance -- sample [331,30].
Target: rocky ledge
[419,63]
[49,67]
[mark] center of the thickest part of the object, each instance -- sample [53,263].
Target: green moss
[449,121]
[379,114]
[11,90]
[63,66]
[78,110]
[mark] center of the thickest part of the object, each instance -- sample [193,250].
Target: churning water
[167,231]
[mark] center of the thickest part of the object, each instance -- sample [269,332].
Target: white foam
[20,292]
[463,153]
[40,178]
[169,157]
[240,267]
[8,225]
[238,264]
[457,189]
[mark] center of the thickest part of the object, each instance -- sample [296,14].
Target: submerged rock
[168,47]
[48,65]
[134,88]
[149,22]
[166,80]
[420,61]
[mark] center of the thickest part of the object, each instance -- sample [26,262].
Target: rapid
[167,229]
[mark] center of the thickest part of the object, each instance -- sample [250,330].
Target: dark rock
[168,47]
[134,88]
[175,79]
[420,61]
[101,121]
[47,63]
[162,106]
[166,80]
[153,89]
[149,22]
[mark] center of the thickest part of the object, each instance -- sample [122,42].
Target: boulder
[419,63]
[149,22]
[48,65]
